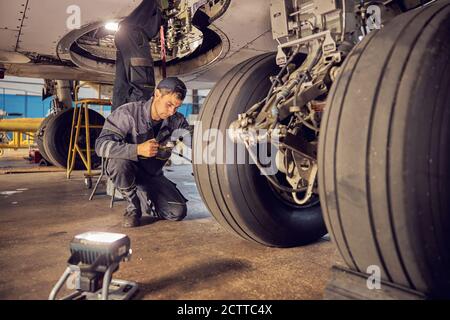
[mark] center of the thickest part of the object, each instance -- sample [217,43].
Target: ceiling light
[112,26]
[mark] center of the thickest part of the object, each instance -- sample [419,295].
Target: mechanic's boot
[131,222]
[133,213]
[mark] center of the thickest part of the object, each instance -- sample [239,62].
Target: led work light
[95,256]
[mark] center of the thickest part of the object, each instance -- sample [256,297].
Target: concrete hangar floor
[196,258]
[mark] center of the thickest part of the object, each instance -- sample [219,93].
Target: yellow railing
[22,129]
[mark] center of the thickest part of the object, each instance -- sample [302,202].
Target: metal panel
[11,14]
[325,6]
[244,22]
[8,39]
[46,20]
[279,19]
[244,28]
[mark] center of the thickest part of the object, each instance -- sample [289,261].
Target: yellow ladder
[78,123]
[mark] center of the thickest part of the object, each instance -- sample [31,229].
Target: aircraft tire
[384,153]
[237,195]
[40,137]
[57,138]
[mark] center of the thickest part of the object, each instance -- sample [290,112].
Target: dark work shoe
[131,222]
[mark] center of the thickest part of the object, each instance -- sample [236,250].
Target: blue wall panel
[28,106]
[34,107]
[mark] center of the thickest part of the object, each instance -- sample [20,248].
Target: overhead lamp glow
[112,26]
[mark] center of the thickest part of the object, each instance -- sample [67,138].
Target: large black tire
[384,153]
[40,136]
[238,196]
[57,138]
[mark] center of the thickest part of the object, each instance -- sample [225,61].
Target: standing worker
[135,78]
[133,141]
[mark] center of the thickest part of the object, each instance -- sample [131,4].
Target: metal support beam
[195,102]
[63,93]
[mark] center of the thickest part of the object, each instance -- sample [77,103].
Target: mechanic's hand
[148,149]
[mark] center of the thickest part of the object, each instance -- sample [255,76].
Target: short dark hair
[173,85]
